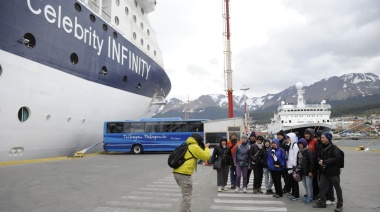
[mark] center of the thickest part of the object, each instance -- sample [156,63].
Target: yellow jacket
[189,165]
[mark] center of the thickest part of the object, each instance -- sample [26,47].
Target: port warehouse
[214,130]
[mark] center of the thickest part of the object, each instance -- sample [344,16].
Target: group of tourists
[312,159]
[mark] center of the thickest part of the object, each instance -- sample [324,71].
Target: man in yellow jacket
[182,174]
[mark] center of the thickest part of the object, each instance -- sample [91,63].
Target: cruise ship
[68,66]
[296,118]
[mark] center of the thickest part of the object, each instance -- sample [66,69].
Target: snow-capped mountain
[333,88]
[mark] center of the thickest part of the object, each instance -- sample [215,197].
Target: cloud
[274,43]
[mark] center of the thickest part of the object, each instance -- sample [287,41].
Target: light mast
[227,58]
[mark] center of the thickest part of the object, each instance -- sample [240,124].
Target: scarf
[260,145]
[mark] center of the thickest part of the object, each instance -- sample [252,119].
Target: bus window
[178,127]
[111,128]
[137,127]
[196,126]
[152,127]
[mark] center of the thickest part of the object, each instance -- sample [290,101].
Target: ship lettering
[80,32]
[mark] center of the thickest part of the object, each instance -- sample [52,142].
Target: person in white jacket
[291,164]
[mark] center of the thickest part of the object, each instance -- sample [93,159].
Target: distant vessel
[296,118]
[68,66]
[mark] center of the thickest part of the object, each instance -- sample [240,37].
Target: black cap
[198,137]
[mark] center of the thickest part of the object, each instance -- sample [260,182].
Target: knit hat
[281,133]
[318,133]
[303,141]
[328,136]
[198,137]
[244,136]
[253,134]
[233,134]
[224,138]
[310,132]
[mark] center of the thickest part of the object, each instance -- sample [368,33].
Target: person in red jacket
[312,143]
[232,144]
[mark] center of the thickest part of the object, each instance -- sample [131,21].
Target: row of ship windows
[328,109]
[30,41]
[290,121]
[24,113]
[105,28]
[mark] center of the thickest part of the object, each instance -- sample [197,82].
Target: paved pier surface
[139,183]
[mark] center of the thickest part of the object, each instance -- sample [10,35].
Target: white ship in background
[296,118]
[68,66]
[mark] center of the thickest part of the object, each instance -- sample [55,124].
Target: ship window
[142,42]
[104,70]
[148,47]
[134,35]
[138,86]
[125,79]
[23,114]
[48,117]
[29,40]
[114,34]
[134,18]
[148,32]
[135,3]
[126,10]
[74,58]
[1,70]
[92,18]
[78,7]
[142,11]
[116,20]
[282,121]
[105,27]
[117,2]
[142,25]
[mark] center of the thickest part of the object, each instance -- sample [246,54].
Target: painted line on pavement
[244,195]
[232,208]
[137,204]
[258,202]
[156,193]
[160,189]
[150,198]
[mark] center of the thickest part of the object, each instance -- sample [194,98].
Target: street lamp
[245,110]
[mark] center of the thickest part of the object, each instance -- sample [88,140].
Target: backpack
[177,157]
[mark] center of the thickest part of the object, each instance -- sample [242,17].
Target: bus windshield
[149,135]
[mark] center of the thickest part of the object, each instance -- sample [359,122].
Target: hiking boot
[245,190]
[225,189]
[219,189]
[255,191]
[329,202]
[293,198]
[319,205]
[276,196]
[233,186]
[269,192]
[339,208]
[260,191]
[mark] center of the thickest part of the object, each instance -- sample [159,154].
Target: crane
[227,58]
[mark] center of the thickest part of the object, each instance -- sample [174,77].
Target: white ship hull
[66,112]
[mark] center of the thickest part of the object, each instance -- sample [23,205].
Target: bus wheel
[137,149]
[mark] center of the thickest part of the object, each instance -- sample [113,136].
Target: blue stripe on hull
[54,46]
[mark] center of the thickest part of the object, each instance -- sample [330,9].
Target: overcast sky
[274,43]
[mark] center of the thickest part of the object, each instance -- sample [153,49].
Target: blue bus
[149,135]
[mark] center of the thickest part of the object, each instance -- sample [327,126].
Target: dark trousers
[249,175]
[285,175]
[257,176]
[330,192]
[294,186]
[315,186]
[276,177]
[324,186]
[233,175]
[222,175]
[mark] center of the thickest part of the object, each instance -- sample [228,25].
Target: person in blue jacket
[276,165]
